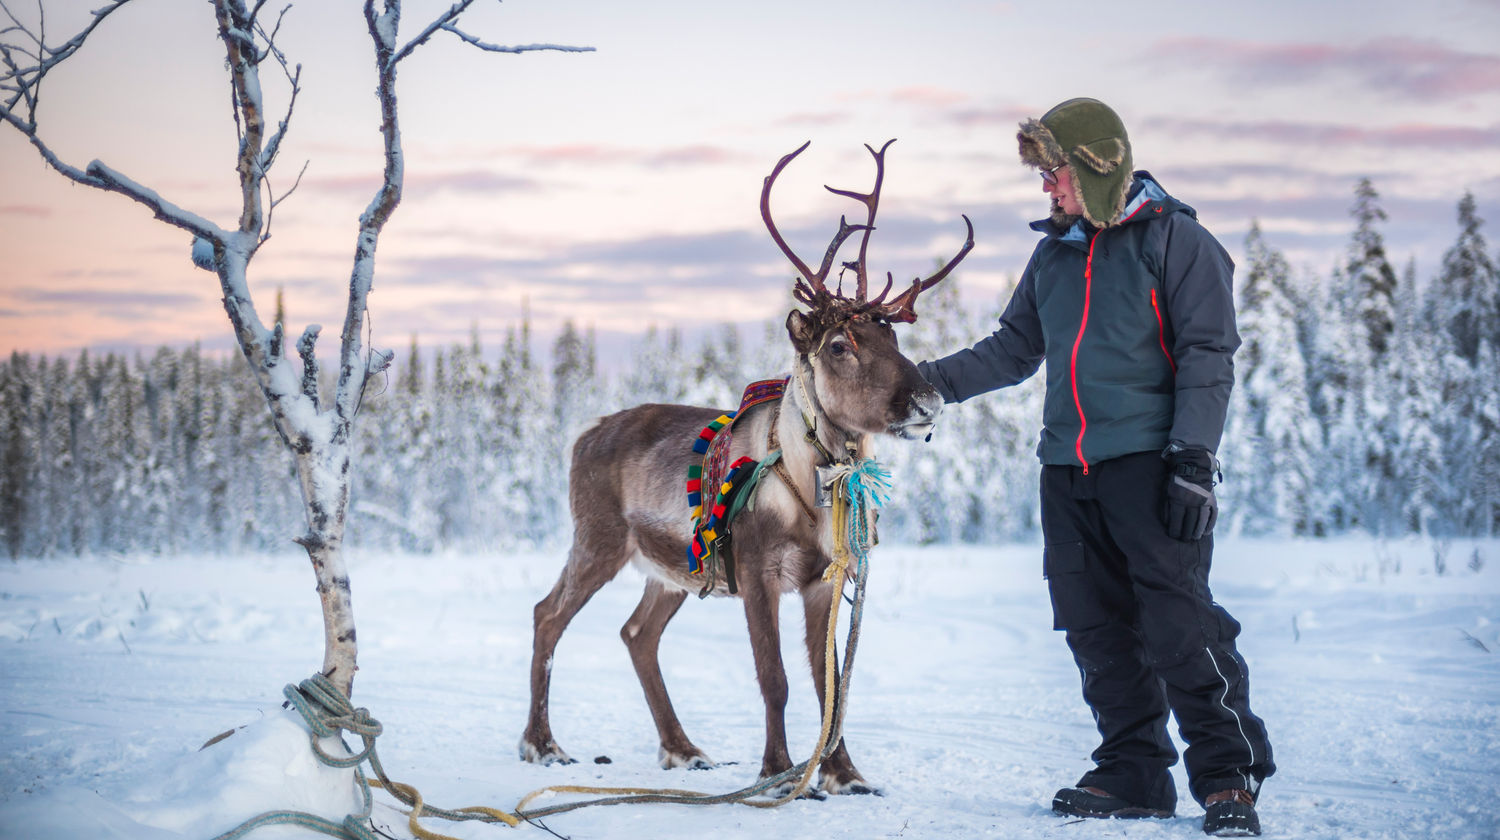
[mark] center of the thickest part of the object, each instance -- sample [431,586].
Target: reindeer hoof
[545,756]
[692,761]
[790,785]
[853,787]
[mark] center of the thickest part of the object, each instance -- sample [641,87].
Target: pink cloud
[344,184]
[1406,66]
[1327,135]
[32,210]
[472,180]
[585,154]
[572,154]
[690,156]
[928,97]
[813,119]
[978,117]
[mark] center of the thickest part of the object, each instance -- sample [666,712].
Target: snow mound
[268,765]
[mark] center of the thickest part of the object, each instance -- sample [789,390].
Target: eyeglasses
[1050,175]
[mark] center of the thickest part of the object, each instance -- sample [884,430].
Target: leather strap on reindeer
[773,444]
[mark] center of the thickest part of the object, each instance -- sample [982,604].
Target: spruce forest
[1367,399]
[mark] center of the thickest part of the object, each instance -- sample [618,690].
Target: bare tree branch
[317,433]
[452,14]
[236,30]
[499,48]
[103,177]
[28,79]
[273,146]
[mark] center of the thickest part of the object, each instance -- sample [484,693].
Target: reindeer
[849,385]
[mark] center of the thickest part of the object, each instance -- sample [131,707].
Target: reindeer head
[860,379]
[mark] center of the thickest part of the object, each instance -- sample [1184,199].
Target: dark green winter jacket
[1136,323]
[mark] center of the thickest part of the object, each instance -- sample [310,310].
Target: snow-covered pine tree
[523,417]
[714,376]
[1426,481]
[656,373]
[1373,439]
[459,473]
[1485,488]
[935,490]
[574,396]
[1271,442]
[1370,272]
[1463,311]
[16,453]
[1466,292]
[120,437]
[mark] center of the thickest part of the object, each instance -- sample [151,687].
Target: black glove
[1190,509]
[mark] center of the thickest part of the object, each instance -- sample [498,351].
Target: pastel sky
[619,188]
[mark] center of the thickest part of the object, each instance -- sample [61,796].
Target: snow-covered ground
[1378,678]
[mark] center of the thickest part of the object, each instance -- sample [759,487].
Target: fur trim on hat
[1038,147]
[1102,156]
[1115,212]
[1089,137]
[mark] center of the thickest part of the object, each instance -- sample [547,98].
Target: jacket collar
[1144,192]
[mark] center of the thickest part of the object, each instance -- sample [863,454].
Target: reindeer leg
[642,636]
[837,773]
[586,571]
[761,609]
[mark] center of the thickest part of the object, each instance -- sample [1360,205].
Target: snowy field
[1378,678]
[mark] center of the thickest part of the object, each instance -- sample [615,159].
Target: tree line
[1367,399]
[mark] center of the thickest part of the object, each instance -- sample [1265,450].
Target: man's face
[1063,192]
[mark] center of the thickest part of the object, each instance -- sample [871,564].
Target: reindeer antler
[903,308]
[811,287]
[871,201]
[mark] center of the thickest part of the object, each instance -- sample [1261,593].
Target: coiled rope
[859,489]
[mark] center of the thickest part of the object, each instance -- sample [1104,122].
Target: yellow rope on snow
[833,712]
[411,796]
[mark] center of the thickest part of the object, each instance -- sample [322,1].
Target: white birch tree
[317,428]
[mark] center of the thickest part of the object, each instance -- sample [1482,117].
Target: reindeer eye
[838,347]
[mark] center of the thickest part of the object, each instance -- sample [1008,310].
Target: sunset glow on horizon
[619,189]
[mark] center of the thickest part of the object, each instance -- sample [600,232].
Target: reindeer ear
[802,329]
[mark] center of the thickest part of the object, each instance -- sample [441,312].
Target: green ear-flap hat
[1088,136]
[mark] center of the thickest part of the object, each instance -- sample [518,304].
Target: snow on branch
[521,48]
[445,22]
[108,179]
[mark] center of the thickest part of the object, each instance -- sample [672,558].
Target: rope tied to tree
[328,713]
[859,490]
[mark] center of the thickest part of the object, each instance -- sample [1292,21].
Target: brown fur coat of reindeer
[850,384]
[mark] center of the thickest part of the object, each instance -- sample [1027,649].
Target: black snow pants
[1147,636]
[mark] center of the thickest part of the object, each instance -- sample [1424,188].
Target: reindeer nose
[927,403]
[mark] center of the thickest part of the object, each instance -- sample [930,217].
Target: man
[1129,300]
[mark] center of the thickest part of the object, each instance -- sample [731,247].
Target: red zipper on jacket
[1088,287]
[1161,333]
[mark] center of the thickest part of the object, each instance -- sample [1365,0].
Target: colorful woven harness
[723,483]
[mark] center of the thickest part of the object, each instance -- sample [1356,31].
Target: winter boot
[1101,804]
[1231,813]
